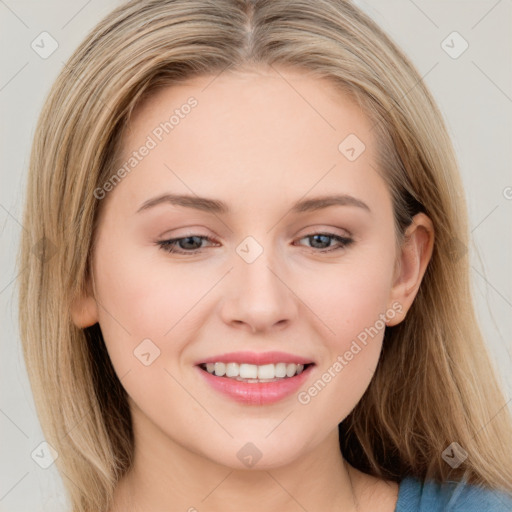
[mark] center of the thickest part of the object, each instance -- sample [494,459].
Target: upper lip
[257,358]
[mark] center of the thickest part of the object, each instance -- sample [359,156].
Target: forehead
[267,94]
[272,132]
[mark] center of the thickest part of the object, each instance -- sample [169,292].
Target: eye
[189,244]
[324,238]
[185,243]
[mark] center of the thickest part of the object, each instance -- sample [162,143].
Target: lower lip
[258,393]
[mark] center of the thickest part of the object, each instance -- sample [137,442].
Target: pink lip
[258,393]
[256,358]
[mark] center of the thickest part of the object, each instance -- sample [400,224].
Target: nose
[258,297]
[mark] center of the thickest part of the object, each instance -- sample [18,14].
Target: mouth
[251,384]
[253,374]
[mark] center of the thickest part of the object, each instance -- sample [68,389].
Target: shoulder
[418,496]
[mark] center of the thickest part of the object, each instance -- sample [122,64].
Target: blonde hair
[434,384]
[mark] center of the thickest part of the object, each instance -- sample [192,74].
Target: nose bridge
[255,268]
[259,296]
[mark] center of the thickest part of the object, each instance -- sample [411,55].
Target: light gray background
[473,91]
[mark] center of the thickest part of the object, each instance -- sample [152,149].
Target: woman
[349,375]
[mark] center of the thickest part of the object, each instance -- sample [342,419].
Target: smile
[255,385]
[252,373]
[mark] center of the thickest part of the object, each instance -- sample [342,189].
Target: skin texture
[259,141]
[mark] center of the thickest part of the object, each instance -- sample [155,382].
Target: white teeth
[232,370]
[247,371]
[267,371]
[254,372]
[280,370]
[290,369]
[220,369]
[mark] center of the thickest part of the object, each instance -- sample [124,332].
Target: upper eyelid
[309,232]
[345,239]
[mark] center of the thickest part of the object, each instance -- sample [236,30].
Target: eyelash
[169,246]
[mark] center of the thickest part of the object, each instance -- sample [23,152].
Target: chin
[257,452]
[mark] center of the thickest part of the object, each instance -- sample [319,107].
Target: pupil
[186,240]
[315,237]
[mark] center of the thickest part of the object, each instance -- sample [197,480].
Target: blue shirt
[416,496]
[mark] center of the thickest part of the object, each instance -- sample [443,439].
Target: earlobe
[84,309]
[415,255]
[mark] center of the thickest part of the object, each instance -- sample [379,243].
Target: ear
[84,308]
[412,262]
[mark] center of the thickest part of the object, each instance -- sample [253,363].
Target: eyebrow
[219,207]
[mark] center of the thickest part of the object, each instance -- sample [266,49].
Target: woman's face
[248,275]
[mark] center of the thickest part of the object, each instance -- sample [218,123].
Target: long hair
[434,384]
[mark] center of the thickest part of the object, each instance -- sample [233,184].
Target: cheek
[351,297]
[352,353]
[143,318]
[137,302]
[142,293]
[352,304]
